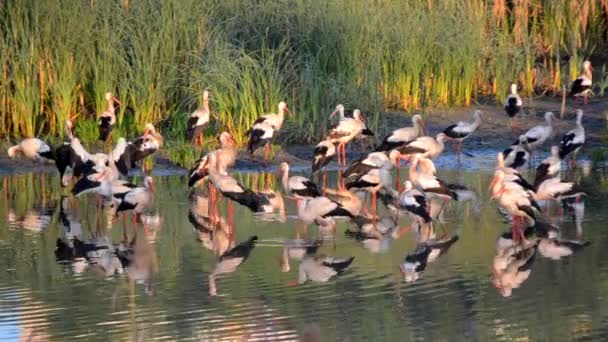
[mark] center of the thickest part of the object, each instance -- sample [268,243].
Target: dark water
[165,293]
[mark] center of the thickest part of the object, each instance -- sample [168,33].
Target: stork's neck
[588,73]
[412,172]
[110,105]
[285,180]
[418,128]
[579,121]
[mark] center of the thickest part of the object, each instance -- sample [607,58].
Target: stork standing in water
[375,180]
[581,87]
[324,152]
[430,184]
[572,142]
[107,118]
[138,199]
[516,200]
[414,202]
[404,135]
[513,104]
[197,122]
[297,186]
[516,156]
[227,151]
[538,135]
[264,128]
[549,167]
[425,146]
[462,130]
[345,131]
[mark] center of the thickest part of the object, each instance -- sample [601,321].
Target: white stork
[297,186]
[404,135]
[462,130]
[549,167]
[345,131]
[516,156]
[513,104]
[227,151]
[323,153]
[373,181]
[264,128]
[320,211]
[414,202]
[107,118]
[537,135]
[581,87]
[426,146]
[197,122]
[572,142]
[430,184]
[516,200]
[33,149]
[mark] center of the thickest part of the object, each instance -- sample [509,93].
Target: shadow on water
[70,271]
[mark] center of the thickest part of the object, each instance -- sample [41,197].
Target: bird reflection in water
[512,266]
[230,260]
[137,258]
[428,249]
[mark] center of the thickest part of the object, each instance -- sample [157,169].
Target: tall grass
[60,56]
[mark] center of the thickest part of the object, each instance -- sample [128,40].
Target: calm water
[165,293]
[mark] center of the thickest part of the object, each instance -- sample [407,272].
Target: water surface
[167,295]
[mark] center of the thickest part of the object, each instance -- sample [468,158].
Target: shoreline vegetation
[59,58]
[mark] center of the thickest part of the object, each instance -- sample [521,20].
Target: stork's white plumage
[572,142]
[404,135]
[554,188]
[345,131]
[323,154]
[537,135]
[139,198]
[373,160]
[275,120]
[33,149]
[297,186]
[426,146]
[198,120]
[107,118]
[516,156]
[549,167]
[430,184]
[320,211]
[513,103]
[374,180]
[414,201]
[515,200]
[227,153]
[462,130]
[581,86]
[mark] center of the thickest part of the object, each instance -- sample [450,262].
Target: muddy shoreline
[493,135]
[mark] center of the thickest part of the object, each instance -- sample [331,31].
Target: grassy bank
[60,56]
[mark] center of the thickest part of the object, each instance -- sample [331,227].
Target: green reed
[59,57]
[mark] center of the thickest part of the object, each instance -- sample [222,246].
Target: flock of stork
[422,196]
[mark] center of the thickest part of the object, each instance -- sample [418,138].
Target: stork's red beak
[116,100]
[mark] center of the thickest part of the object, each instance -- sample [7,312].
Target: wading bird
[581,87]
[404,135]
[572,142]
[107,118]
[462,130]
[199,119]
[513,104]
